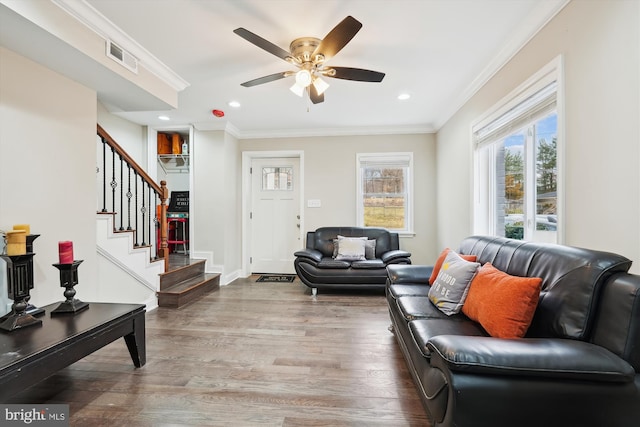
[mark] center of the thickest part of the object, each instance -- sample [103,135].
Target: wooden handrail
[125,156]
[161,190]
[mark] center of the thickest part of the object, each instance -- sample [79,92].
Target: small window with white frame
[384,191]
[517,153]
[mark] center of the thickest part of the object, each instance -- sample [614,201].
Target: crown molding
[319,132]
[95,21]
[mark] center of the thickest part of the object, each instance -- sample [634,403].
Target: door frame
[247,159]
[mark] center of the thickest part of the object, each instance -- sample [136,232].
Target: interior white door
[275,214]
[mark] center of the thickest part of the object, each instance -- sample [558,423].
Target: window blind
[535,106]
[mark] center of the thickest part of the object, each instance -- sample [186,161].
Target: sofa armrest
[390,256]
[399,273]
[312,254]
[539,357]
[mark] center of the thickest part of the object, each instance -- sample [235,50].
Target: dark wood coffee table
[32,354]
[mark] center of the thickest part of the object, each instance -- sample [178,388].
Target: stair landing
[185,282]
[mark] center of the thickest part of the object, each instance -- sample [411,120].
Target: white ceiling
[438,51]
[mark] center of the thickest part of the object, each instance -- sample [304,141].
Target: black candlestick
[20,282]
[32,309]
[68,279]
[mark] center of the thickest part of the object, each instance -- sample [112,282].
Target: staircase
[132,236]
[184,284]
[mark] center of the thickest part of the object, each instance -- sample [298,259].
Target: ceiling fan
[309,55]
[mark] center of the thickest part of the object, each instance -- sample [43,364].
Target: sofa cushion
[450,288]
[438,265]
[503,304]
[332,263]
[422,330]
[417,307]
[369,263]
[402,290]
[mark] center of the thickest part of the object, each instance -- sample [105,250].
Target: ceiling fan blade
[262,43]
[265,79]
[357,74]
[338,37]
[315,97]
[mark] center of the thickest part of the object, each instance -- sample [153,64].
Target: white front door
[275,214]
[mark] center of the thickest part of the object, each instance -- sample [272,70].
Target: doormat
[287,278]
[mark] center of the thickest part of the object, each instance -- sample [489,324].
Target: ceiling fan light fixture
[297,89]
[320,85]
[303,78]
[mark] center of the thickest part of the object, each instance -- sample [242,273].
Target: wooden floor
[250,354]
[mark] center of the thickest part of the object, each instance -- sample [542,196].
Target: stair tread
[189,284]
[182,274]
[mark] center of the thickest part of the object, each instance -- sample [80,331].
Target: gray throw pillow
[451,286]
[370,249]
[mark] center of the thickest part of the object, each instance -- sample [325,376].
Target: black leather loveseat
[577,365]
[319,265]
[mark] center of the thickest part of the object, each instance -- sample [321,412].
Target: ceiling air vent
[122,57]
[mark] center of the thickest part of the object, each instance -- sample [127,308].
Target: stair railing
[138,203]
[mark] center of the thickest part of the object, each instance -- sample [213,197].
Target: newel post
[163,251]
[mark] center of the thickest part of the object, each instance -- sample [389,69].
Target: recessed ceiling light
[234,104]
[404,96]
[164,117]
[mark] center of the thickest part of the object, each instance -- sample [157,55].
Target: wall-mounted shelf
[174,163]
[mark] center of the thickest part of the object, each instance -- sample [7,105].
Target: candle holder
[32,309]
[20,282]
[68,279]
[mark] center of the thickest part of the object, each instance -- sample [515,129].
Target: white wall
[600,44]
[47,169]
[128,135]
[330,176]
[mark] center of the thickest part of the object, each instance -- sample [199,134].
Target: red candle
[65,250]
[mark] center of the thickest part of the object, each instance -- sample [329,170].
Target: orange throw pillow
[438,265]
[503,304]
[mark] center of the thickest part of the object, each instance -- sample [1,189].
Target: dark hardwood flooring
[250,354]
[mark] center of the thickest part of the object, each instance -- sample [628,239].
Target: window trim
[551,72]
[397,158]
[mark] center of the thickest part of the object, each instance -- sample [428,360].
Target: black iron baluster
[113,183]
[135,230]
[121,195]
[129,196]
[143,211]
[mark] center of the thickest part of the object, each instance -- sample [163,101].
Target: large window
[384,191]
[516,163]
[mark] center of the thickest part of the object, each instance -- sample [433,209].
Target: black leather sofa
[317,268]
[578,364]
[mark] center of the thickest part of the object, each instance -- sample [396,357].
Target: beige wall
[600,45]
[216,201]
[47,169]
[330,176]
